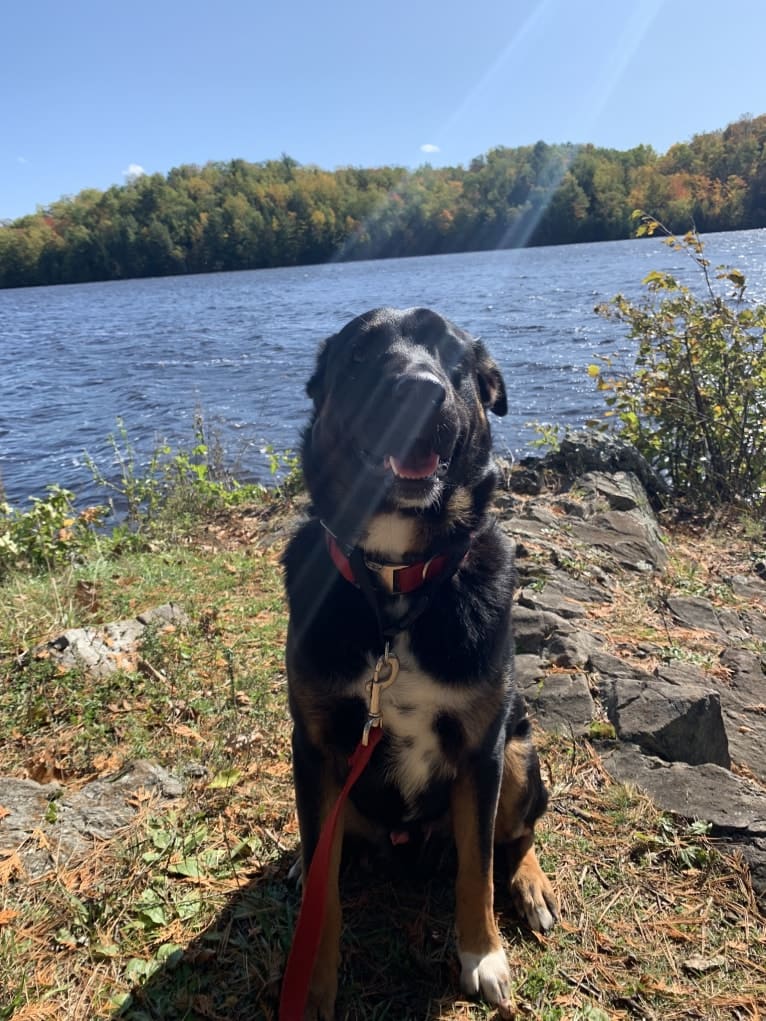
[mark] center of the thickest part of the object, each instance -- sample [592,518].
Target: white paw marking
[488,975]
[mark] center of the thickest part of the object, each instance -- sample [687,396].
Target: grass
[188,914]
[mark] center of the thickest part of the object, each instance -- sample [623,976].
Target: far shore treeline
[239,215]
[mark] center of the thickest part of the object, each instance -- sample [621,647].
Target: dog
[400,565]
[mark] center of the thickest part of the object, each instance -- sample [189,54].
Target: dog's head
[399,420]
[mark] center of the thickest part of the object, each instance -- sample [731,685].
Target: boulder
[629,536]
[731,804]
[694,612]
[743,702]
[560,703]
[532,629]
[570,649]
[49,825]
[564,596]
[583,450]
[677,722]
[608,513]
[104,650]
[748,586]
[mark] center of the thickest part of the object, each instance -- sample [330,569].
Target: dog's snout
[422,390]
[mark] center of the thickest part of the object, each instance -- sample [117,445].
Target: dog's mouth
[416,465]
[419,463]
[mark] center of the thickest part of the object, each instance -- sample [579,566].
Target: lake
[239,347]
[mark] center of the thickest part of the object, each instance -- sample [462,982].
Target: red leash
[300,963]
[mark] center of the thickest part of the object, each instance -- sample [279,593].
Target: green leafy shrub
[173,486]
[47,535]
[147,501]
[694,402]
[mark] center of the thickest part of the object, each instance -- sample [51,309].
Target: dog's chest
[416,710]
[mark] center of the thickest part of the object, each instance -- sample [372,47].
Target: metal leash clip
[384,675]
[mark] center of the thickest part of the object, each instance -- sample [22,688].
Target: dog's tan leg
[323,988]
[521,789]
[484,967]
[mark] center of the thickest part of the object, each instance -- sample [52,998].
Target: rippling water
[239,347]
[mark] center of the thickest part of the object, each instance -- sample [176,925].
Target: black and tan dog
[401,553]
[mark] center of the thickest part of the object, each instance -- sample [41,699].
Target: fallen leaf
[10,866]
[181,730]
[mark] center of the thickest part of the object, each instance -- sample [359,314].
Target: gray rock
[101,651]
[709,792]
[104,650]
[630,534]
[684,673]
[528,525]
[754,853]
[561,703]
[612,666]
[621,491]
[70,821]
[168,613]
[748,586]
[679,712]
[529,670]
[555,639]
[748,678]
[754,623]
[583,451]
[527,478]
[565,596]
[675,721]
[694,612]
[743,702]
[550,600]
[631,537]
[533,628]
[733,625]
[570,649]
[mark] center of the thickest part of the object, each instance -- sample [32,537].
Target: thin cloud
[22,160]
[429,147]
[132,171]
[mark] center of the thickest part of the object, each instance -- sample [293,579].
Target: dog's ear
[315,386]
[491,383]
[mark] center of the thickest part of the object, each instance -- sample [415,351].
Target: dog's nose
[423,390]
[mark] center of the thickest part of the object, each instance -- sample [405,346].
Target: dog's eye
[357,353]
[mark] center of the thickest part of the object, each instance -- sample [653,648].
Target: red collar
[398,579]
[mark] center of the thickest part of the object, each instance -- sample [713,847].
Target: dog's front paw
[534,897]
[488,974]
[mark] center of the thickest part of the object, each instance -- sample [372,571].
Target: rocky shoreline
[689,730]
[691,736]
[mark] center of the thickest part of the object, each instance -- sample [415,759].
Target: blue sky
[92,91]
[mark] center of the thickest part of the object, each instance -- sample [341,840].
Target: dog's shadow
[398,950]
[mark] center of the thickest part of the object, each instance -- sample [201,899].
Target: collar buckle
[387,574]
[395,579]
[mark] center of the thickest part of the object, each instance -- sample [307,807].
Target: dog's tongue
[414,465]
